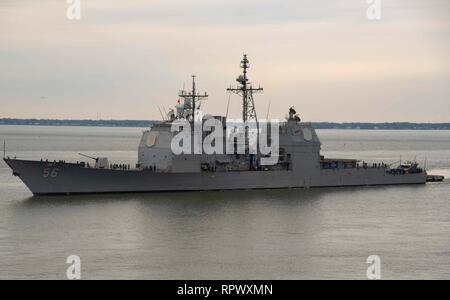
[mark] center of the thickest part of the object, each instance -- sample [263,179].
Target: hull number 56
[50,172]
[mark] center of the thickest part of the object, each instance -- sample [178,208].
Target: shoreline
[145,123]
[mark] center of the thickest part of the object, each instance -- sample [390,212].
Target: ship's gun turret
[100,162]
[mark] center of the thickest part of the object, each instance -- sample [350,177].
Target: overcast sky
[124,58]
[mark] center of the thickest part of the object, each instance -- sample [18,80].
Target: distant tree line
[96,123]
[382,126]
[146,123]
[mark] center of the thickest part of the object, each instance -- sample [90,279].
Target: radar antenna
[246,90]
[192,97]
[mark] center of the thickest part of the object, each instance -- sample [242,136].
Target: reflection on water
[296,233]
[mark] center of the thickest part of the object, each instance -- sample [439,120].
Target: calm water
[282,234]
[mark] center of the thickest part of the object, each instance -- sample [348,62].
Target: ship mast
[192,96]
[246,90]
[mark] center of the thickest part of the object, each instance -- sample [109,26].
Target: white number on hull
[49,172]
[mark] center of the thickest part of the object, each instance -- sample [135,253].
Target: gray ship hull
[43,178]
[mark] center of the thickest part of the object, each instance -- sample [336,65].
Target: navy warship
[298,163]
